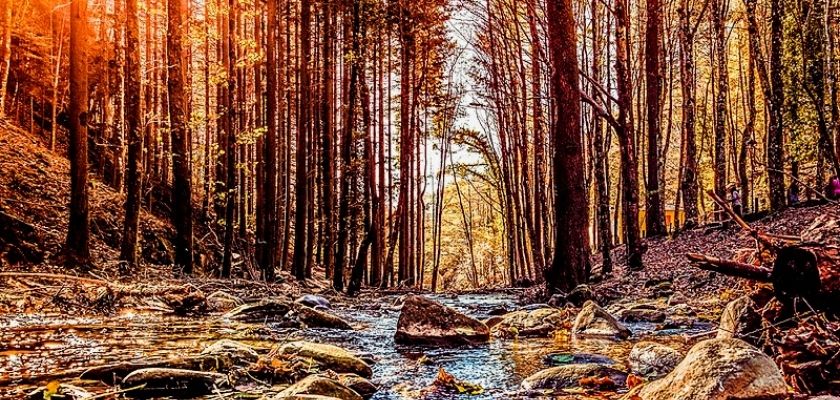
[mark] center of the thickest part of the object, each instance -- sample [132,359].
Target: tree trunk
[571,247]
[179,127]
[655,214]
[78,230]
[133,116]
[627,141]
[303,129]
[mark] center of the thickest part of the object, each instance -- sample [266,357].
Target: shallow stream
[33,347]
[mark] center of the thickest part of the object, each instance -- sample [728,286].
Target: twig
[760,236]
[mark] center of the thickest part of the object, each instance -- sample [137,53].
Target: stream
[34,346]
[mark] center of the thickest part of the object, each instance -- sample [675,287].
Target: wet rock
[556,359]
[718,369]
[498,311]
[233,349]
[269,310]
[642,315]
[171,382]
[541,322]
[570,375]
[61,391]
[594,321]
[558,300]
[653,360]
[580,295]
[423,321]
[740,319]
[313,301]
[320,319]
[362,386]
[493,321]
[320,386]
[223,301]
[327,357]
[664,288]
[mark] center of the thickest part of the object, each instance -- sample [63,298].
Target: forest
[419,199]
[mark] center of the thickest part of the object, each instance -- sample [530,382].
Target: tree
[133,116]
[719,12]
[775,140]
[5,52]
[653,71]
[269,199]
[179,127]
[78,232]
[303,128]
[627,142]
[571,240]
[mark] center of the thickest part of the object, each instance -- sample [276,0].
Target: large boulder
[642,313]
[362,386]
[320,386]
[314,301]
[423,321]
[740,319]
[326,357]
[594,321]
[269,310]
[570,375]
[541,322]
[580,295]
[719,369]
[238,352]
[314,318]
[653,360]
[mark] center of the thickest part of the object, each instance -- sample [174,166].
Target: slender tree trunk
[6,53]
[655,212]
[719,12]
[301,178]
[627,141]
[134,116]
[78,231]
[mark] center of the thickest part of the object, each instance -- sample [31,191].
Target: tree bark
[571,247]
[78,230]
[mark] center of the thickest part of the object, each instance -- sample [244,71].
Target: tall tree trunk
[326,116]
[626,138]
[719,12]
[179,127]
[775,140]
[133,116]
[571,241]
[655,212]
[303,129]
[78,231]
[602,197]
[269,199]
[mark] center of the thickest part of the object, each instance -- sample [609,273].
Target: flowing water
[33,347]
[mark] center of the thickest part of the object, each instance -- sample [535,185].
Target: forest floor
[58,321]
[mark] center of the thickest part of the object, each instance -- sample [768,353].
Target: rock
[493,321]
[580,295]
[423,321]
[270,310]
[313,301]
[362,386]
[740,319]
[306,397]
[63,391]
[653,360]
[320,386]
[558,300]
[719,369]
[532,307]
[542,322]
[230,348]
[641,315]
[594,321]
[170,382]
[677,299]
[223,301]
[555,359]
[569,375]
[498,311]
[326,357]
[313,318]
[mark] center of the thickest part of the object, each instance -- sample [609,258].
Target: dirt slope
[34,195]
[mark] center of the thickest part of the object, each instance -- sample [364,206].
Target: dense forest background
[423,143]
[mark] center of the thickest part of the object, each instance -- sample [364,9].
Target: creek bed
[34,346]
